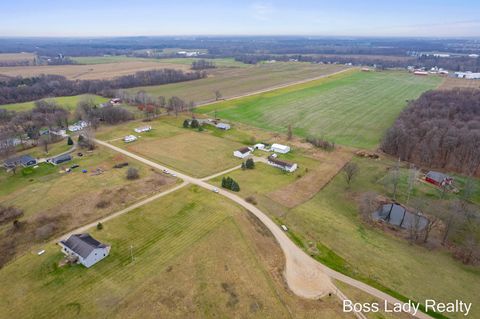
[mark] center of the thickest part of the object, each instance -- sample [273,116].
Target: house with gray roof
[23,160]
[85,249]
[61,159]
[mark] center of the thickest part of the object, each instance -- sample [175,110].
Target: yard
[54,201]
[329,227]
[353,108]
[237,81]
[168,261]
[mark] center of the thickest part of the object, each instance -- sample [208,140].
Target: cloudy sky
[229,17]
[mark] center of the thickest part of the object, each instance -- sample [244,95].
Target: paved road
[305,276]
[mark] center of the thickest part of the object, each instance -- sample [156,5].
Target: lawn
[353,108]
[237,81]
[67,102]
[167,261]
[329,227]
[195,153]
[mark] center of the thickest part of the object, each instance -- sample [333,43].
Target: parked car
[215,190]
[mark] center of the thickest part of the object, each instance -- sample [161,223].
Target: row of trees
[230,183]
[203,64]
[27,89]
[440,129]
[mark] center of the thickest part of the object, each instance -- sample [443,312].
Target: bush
[69,141]
[321,143]
[250,164]
[185,124]
[252,200]
[132,173]
[103,204]
[9,213]
[46,231]
[99,226]
[194,124]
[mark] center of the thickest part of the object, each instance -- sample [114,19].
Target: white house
[143,129]
[85,249]
[279,148]
[242,153]
[129,138]
[286,166]
[80,125]
[259,146]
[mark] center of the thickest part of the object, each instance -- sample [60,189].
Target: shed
[279,148]
[129,138]
[85,249]
[223,126]
[61,159]
[438,179]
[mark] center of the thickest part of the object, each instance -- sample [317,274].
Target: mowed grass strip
[353,108]
[34,287]
[237,81]
[67,102]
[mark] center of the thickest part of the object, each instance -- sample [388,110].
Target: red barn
[438,179]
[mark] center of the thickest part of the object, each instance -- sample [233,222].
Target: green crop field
[68,102]
[167,261]
[354,108]
[237,81]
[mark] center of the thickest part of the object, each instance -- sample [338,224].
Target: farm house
[286,166]
[24,160]
[279,148]
[438,179]
[242,152]
[84,249]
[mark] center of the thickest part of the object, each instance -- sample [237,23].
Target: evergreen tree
[244,166]
[235,187]
[185,124]
[250,164]
[194,124]
[69,141]
[228,183]
[224,182]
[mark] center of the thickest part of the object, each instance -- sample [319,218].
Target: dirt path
[305,276]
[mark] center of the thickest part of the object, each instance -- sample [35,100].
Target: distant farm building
[259,146]
[223,126]
[61,159]
[143,129]
[438,179]
[115,101]
[129,138]
[23,160]
[420,72]
[467,75]
[84,249]
[279,148]
[399,216]
[286,166]
[80,125]
[242,152]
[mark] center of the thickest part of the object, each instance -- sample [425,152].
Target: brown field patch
[90,72]
[14,57]
[450,83]
[314,180]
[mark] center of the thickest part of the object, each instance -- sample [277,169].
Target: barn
[242,152]
[438,179]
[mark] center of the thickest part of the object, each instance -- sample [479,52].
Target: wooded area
[441,129]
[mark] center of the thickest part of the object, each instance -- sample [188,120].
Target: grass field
[237,81]
[353,108]
[450,83]
[68,102]
[329,227]
[178,270]
[89,72]
[12,57]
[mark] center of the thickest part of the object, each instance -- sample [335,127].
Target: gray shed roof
[399,216]
[437,176]
[82,244]
[62,158]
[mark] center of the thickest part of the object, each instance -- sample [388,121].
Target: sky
[412,18]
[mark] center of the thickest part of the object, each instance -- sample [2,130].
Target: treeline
[202,65]
[459,63]
[441,129]
[19,89]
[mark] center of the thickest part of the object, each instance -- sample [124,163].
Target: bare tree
[289,132]
[368,205]
[350,170]
[218,95]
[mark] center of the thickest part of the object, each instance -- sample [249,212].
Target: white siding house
[286,166]
[242,153]
[85,249]
[279,148]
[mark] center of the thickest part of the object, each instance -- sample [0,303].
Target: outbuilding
[286,166]
[143,129]
[438,179]
[84,249]
[279,148]
[61,159]
[223,126]
[129,138]
[242,152]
